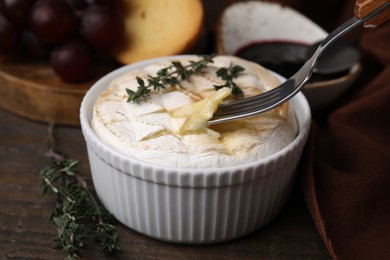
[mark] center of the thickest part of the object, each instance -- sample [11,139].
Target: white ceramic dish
[245,23]
[193,206]
[248,22]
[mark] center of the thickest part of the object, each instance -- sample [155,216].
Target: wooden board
[29,88]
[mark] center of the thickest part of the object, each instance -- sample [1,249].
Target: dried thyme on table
[177,72]
[77,215]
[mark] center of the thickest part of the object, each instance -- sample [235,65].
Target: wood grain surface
[27,233]
[30,88]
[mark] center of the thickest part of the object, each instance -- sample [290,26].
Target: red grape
[102,26]
[17,11]
[34,46]
[112,3]
[67,31]
[9,35]
[78,4]
[52,21]
[71,60]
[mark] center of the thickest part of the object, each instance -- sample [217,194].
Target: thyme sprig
[77,214]
[177,72]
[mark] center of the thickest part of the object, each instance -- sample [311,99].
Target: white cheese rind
[147,132]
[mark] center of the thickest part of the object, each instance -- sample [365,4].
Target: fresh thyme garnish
[228,74]
[176,72]
[77,214]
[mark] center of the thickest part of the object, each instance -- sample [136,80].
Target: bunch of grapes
[66,32]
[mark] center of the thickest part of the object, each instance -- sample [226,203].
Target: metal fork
[270,99]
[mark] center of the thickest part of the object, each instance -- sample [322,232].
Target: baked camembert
[170,128]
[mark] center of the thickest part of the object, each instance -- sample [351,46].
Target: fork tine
[250,100]
[263,105]
[265,97]
[245,110]
[259,101]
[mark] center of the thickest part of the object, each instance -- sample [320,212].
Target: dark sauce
[287,57]
[283,57]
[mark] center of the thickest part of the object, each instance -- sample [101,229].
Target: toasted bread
[159,28]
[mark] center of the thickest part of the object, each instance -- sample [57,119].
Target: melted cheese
[193,118]
[170,128]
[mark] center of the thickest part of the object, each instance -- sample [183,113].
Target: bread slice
[156,28]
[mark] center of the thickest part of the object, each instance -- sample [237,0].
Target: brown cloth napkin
[346,166]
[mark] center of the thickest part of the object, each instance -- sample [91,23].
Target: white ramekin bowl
[193,206]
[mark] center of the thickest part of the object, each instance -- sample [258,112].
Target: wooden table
[27,233]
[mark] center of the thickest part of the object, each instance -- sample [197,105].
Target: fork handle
[365,7]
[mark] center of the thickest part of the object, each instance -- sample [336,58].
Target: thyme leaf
[77,215]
